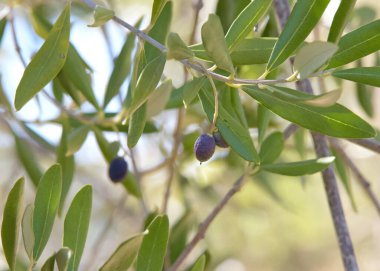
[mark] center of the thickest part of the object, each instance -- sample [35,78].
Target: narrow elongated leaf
[357,44]
[364,75]
[67,164]
[304,16]
[232,130]
[200,264]
[153,248]
[334,120]
[228,10]
[27,230]
[179,234]
[177,48]
[159,31]
[47,62]
[121,68]
[325,99]
[312,56]
[245,22]
[364,95]
[158,6]
[10,227]
[76,225]
[340,19]
[3,23]
[76,138]
[215,44]
[136,126]
[75,73]
[103,144]
[147,82]
[38,137]
[299,168]
[271,148]
[191,90]
[28,160]
[159,98]
[131,185]
[49,264]
[124,255]
[62,257]
[263,118]
[45,207]
[102,15]
[247,52]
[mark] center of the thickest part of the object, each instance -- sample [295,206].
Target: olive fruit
[204,147]
[219,140]
[118,169]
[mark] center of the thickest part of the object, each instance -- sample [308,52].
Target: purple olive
[219,140]
[204,147]
[118,169]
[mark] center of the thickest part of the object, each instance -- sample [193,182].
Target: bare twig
[207,222]
[370,144]
[363,182]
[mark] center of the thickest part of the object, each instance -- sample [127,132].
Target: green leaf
[62,257]
[191,89]
[122,68]
[47,62]
[76,138]
[159,31]
[67,164]
[131,185]
[334,120]
[147,82]
[38,137]
[28,160]
[158,6]
[364,75]
[340,19]
[228,10]
[340,168]
[136,125]
[102,15]
[177,48]
[103,144]
[153,248]
[159,98]
[312,56]
[247,52]
[11,222]
[304,16]
[215,44]
[124,256]
[200,264]
[299,168]
[179,234]
[27,230]
[75,73]
[246,21]
[271,148]
[364,95]
[76,225]
[3,23]
[357,44]
[325,99]
[263,118]
[45,207]
[232,130]
[49,264]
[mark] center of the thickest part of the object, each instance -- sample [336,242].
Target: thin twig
[363,182]
[138,180]
[207,222]
[370,144]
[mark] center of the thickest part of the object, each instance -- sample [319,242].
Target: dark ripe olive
[219,140]
[118,169]
[204,147]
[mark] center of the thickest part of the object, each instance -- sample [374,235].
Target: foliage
[215,95]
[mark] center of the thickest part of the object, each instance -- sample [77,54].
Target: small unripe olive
[118,169]
[219,140]
[204,147]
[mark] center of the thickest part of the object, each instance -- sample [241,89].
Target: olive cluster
[204,146]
